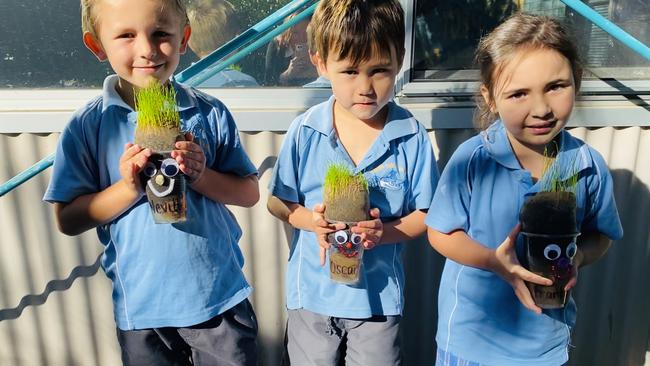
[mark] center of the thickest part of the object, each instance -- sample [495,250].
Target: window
[446,36]
[41,44]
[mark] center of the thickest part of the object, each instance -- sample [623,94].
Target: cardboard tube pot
[165,188]
[158,129]
[551,256]
[346,256]
[345,196]
[548,222]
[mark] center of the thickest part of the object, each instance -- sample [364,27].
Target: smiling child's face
[534,97]
[142,40]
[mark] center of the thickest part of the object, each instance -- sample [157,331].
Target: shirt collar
[185,96]
[573,155]
[399,122]
[498,146]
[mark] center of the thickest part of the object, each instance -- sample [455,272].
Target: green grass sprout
[339,181]
[554,171]
[156,106]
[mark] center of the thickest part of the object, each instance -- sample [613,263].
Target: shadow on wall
[613,295]
[54,285]
[423,268]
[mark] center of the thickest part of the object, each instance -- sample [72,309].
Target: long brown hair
[520,31]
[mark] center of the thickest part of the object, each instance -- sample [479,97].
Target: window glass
[284,61]
[446,36]
[41,45]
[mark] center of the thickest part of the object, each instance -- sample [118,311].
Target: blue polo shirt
[163,274]
[402,175]
[481,191]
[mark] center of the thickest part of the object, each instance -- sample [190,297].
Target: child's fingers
[374,213]
[188,166]
[322,255]
[371,224]
[188,146]
[512,237]
[529,276]
[321,223]
[319,208]
[130,150]
[323,246]
[572,282]
[524,296]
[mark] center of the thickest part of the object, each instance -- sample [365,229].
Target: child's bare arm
[292,213]
[373,232]
[302,218]
[229,189]
[91,210]
[406,228]
[591,247]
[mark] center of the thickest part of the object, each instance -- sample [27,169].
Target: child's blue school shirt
[162,274]
[402,175]
[481,191]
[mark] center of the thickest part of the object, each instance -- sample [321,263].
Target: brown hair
[357,29]
[214,22]
[89,16]
[519,32]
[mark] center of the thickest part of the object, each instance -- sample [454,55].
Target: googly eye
[571,250]
[356,239]
[169,167]
[149,169]
[341,237]
[552,252]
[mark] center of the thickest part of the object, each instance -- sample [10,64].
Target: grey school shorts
[315,339]
[228,339]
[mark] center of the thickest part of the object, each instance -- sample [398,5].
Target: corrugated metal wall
[55,302]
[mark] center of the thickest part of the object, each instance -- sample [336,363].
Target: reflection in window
[288,59]
[41,44]
[445,40]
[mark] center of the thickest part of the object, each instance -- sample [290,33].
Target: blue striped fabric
[448,359]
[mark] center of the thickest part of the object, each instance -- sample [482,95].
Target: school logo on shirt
[389,180]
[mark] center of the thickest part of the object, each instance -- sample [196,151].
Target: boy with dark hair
[359,47]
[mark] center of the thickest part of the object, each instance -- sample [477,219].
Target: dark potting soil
[348,208]
[551,213]
[158,139]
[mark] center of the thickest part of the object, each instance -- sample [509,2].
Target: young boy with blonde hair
[360,48]
[179,294]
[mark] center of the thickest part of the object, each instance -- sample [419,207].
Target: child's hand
[132,161]
[190,158]
[321,228]
[577,262]
[507,266]
[371,231]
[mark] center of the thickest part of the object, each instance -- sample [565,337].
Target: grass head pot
[158,128]
[345,196]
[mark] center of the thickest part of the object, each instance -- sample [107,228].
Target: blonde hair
[357,29]
[214,22]
[520,32]
[89,16]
